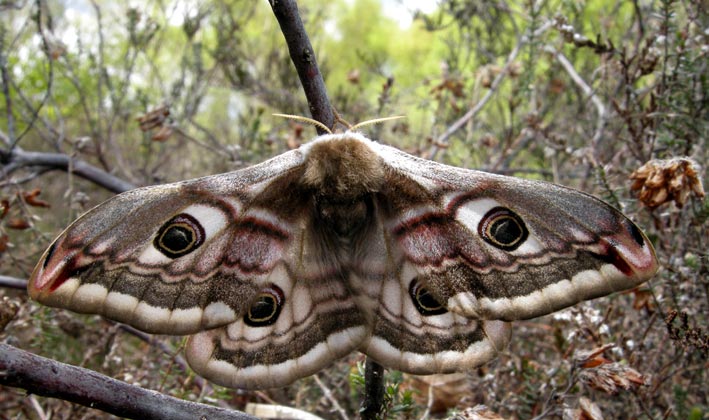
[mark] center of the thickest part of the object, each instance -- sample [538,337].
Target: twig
[13,282]
[19,158]
[5,77]
[328,395]
[443,138]
[373,390]
[50,78]
[303,57]
[588,91]
[49,378]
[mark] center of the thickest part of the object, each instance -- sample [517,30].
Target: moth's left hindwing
[278,269]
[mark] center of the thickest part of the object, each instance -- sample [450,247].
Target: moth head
[343,167]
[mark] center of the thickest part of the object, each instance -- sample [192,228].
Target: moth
[343,244]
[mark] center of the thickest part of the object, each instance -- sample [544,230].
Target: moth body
[344,244]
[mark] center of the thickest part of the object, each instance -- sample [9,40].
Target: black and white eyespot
[266,308]
[424,301]
[503,228]
[179,236]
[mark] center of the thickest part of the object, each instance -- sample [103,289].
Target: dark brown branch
[19,158]
[373,390]
[46,377]
[303,57]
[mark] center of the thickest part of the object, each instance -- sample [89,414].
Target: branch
[588,91]
[373,390]
[443,138]
[303,57]
[13,283]
[46,377]
[19,158]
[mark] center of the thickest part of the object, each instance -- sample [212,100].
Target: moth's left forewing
[495,247]
[121,260]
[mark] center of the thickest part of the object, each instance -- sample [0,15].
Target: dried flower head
[606,375]
[662,181]
[612,377]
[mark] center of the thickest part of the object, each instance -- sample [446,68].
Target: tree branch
[50,378]
[13,282]
[19,158]
[303,57]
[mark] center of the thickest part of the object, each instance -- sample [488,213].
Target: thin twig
[588,91]
[442,140]
[328,396]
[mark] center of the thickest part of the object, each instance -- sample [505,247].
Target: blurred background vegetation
[582,93]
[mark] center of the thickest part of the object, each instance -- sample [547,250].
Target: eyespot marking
[503,228]
[266,308]
[179,236]
[424,301]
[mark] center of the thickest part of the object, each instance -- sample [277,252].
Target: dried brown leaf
[5,208]
[586,410]
[4,240]
[445,391]
[18,223]
[30,198]
[154,118]
[162,134]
